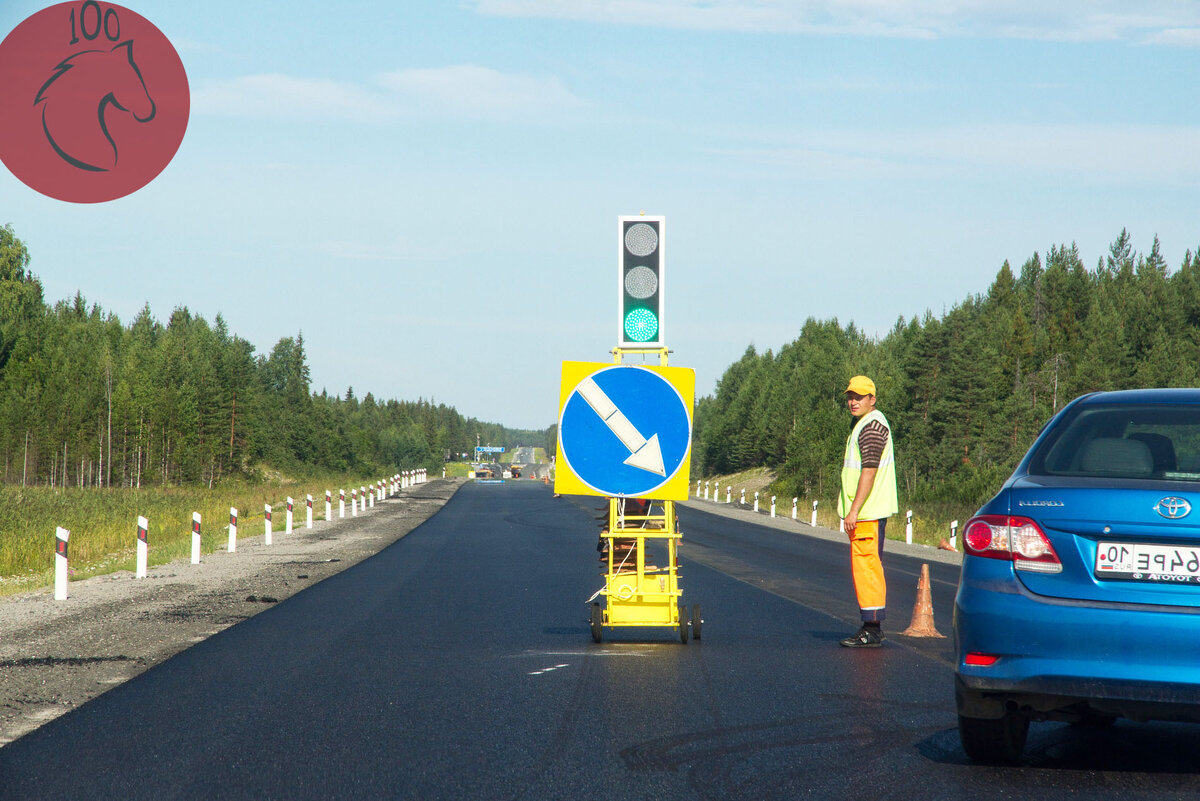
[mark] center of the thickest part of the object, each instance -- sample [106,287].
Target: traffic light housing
[640,284]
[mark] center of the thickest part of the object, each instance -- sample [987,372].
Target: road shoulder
[57,655]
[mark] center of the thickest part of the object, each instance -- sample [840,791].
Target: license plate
[1139,561]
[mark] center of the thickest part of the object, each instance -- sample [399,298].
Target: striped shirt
[871,441]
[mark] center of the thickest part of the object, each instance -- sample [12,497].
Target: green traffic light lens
[641,325]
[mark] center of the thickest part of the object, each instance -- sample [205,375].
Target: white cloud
[1184,37]
[274,95]
[1159,154]
[461,92]
[471,91]
[1149,21]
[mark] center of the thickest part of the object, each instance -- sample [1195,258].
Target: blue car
[1079,598]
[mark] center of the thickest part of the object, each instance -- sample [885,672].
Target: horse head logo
[78,98]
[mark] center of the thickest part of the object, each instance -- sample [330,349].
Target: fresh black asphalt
[458,664]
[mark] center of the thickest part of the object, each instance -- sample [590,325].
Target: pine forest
[966,393]
[86,400]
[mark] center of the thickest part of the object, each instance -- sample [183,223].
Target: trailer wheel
[696,621]
[683,624]
[597,622]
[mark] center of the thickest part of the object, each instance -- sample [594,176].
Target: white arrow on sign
[644,454]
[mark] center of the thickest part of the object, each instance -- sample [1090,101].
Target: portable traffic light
[640,280]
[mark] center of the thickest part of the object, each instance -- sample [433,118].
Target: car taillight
[1015,539]
[980,660]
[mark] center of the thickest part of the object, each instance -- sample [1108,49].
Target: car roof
[1143,396]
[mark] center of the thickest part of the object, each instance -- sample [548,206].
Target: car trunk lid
[1131,541]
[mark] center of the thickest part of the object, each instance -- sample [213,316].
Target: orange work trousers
[866,566]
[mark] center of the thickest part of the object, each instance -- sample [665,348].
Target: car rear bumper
[1133,661]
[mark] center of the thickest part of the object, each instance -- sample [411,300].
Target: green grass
[457,469]
[931,520]
[103,524]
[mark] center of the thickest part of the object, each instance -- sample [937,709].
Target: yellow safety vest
[882,501]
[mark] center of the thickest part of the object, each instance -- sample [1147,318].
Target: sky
[428,191]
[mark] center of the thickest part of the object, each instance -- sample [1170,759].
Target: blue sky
[429,191]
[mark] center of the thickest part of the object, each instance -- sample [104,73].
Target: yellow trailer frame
[637,593]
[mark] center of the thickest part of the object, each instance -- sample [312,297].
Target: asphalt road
[458,664]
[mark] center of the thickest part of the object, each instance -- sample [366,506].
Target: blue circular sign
[625,431]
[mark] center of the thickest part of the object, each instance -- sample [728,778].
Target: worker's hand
[848,524]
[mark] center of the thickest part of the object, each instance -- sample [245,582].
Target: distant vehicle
[1079,598]
[484,471]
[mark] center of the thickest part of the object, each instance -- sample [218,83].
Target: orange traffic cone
[922,618]
[945,545]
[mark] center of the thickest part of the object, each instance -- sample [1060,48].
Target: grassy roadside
[103,523]
[931,521]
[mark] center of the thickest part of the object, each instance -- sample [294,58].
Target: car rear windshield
[1158,442]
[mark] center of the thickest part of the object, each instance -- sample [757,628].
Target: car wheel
[998,740]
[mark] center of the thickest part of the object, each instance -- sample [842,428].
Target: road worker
[867,499]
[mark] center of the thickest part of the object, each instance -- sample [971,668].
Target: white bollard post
[813,522]
[371,493]
[195,538]
[908,528]
[706,490]
[954,535]
[362,498]
[795,502]
[287,528]
[143,547]
[772,506]
[353,502]
[743,501]
[698,483]
[308,511]
[756,500]
[61,569]
[341,503]
[267,523]
[443,472]
[728,493]
[328,505]
[232,529]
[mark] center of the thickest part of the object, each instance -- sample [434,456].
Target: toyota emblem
[1173,508]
